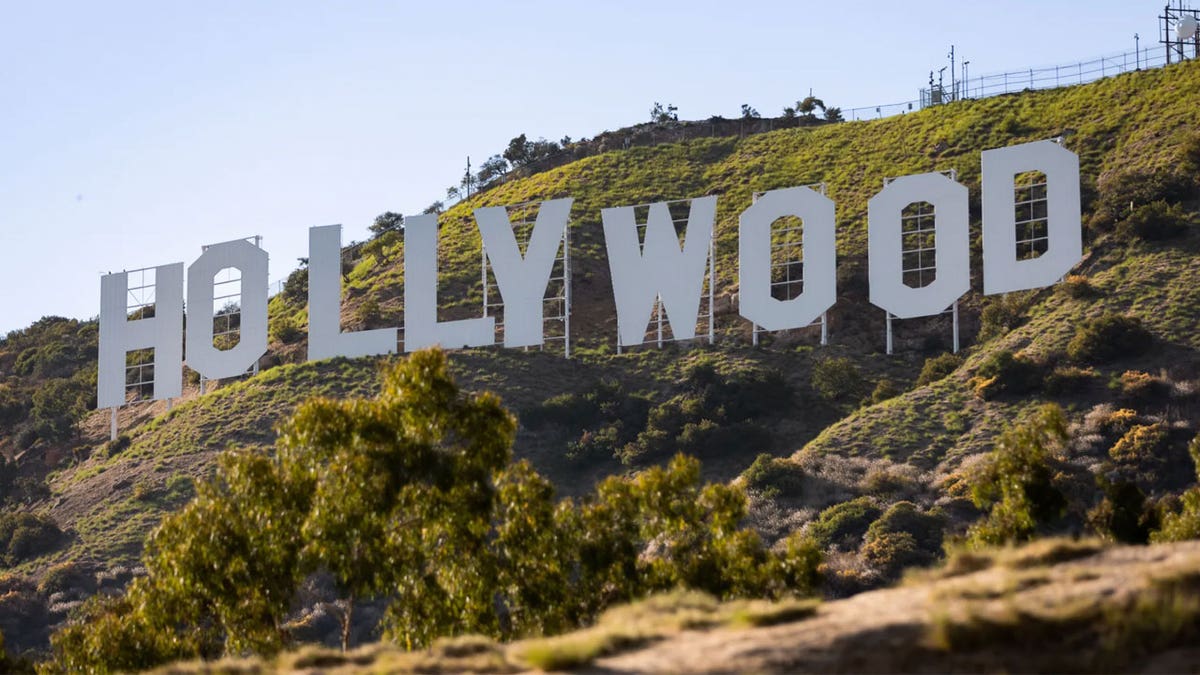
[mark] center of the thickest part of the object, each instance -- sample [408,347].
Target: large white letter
[202,356]
[659,268]
[819,248]
[1002,272]
[325,336]
[163,333]
[523,279]
[421,326]
[884,245]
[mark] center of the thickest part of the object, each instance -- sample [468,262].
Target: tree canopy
[412,496]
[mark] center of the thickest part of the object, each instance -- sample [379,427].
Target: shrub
[1108,338]
[1000,315]
[903,537]
[286,329]
[1141,387]
[66,577]
[884,389]
[1155,221]
[1005,373]
[713,414]
[1123,515]
[1184,522]
[926,528]
[843,525]
[938,367]
[367,313]
[772,476]
[24,536]
[891,552]
[1140,445]
[1118,421]
[1140,187]
[1017,484]
[837,379]
[1078,287]
[1068,380]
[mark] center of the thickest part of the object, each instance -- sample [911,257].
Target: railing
[1049,77]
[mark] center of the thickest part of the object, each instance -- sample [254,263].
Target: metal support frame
[788,284]
[522,230]
[1031,219]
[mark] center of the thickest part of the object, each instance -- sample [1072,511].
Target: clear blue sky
[132,133]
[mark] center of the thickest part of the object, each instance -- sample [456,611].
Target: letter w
[660,268]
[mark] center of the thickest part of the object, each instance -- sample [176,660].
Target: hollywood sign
[657,271]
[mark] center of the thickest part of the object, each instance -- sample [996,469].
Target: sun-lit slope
[1120,126]
[1156,282]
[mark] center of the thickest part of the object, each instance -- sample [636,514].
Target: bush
[1123,515]
[24,536]
[842,526]
[1017,484]
[1183,523]
[1155,221]
[884,389]
[1141,445]
[1000,315]
[772,476]
[1078,287]
[938,367]
[838,379]
[714,413]
[286,329]
[903,537]
[1068,380]
[64,577]
[1108,338]
[927,529]
[891,552]
[1140,387]
[1005,373]
[1140,188]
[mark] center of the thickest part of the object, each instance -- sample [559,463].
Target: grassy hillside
[846,420]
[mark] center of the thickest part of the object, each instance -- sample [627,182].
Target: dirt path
[895,629]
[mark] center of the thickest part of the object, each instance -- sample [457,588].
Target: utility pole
[953,84]
[1137,50]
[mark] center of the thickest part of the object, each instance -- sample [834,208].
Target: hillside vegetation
[877,458]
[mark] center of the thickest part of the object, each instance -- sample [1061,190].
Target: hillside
[844,421]
[1054,606]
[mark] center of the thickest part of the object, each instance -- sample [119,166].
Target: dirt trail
[893,629]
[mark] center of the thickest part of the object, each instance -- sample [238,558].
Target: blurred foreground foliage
[413,496]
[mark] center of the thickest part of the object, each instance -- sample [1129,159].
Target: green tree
[1017,486]
[660,114]
[808,106]
[493,168]
[412,495]
[1184,523]
[386,222]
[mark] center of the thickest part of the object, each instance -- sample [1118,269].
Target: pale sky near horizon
[135,132]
